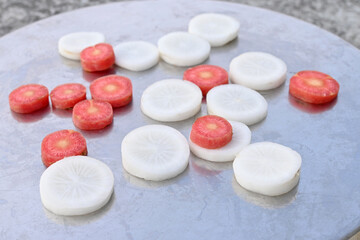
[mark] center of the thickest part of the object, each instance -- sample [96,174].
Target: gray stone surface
[339,17]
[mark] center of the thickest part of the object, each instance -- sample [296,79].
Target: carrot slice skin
[29,98]
[61,144]
[313,87]
[67,95]
[92,114]
[206,77]
[97,58]
[114,89]
[211,132]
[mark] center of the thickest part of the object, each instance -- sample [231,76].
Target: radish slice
[258,70]
[136,55]
[217,29]
[267,168]
[71,45]
[60,144]
[171,100]
[76,186]
[183,49]
[155,152]
[237,103]
[240,138]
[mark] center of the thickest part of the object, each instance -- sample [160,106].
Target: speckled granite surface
[341,17]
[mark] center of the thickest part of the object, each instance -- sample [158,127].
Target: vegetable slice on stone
[67,95]
[92,114]
[206,77]
[155,152]
[60,144]
[29,98]
[76,185]
[313,87]
[267,168]
[258,70]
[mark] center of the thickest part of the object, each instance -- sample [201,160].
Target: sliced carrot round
[61,144]
[29,98]
[211,132]
[97,58]
[313,87]
[116,90]
[92,114]
[206,77]
[67,95]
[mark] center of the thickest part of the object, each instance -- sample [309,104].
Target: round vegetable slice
[155,152]
[67,95]
[258,70]
[76,185]
[206,77]
[29,98]
[217,29]
[171,100]
[211,132]
[116,90]
[183,49]
[61,144]
[92,114]
[97,58]
[267,168]
[71,45]
[237,103]
[313,87]
[136,55]
[240,138]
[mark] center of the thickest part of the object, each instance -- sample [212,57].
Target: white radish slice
[241,137]
[267,168]
[136,55]
[217,29]
[155,152]
[171,100]
[237,103]
[258,70]
[76,185]
[183,49]
[71,45]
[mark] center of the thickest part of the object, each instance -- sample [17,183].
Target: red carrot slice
[67,95]
[29,98]
[92,114]
[211,132]
[61,144]
[116,90]
[97,58]
[313,87]
[206,77]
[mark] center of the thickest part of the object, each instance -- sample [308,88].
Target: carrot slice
[29,98]
[92,114]
[97,58]
[313,87]
[206,77]
[67,95]
[211,132]
[61,144]
[116,90]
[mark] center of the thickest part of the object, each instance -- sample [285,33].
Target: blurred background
[341,17]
